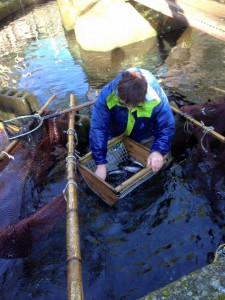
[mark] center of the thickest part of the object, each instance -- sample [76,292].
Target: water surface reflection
[166,228]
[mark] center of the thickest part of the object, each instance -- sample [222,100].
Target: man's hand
[155,160]
[101,171]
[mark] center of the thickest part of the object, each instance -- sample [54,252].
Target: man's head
[132,88]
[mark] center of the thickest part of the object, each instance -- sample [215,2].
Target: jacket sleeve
[163,128]
[100,121]
[162,118]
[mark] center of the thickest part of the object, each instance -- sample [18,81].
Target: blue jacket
[152,118]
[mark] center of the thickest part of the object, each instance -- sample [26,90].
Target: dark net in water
[208,148]
[208,155]
[24,217]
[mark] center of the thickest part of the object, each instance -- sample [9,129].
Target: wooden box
[119,149]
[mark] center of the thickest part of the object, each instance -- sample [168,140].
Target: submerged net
[208,155]
[17,239]
[210,114]
[25,215]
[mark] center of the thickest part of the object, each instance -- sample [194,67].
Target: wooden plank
[136,150]
[210,7]
[202,15]
[100,187]
[126,185]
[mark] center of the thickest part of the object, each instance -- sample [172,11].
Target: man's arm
[99,131]
[164,129]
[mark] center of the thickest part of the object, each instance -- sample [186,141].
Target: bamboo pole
[18,143]
[217,89]
[43,108]
[195,122]
[74,274]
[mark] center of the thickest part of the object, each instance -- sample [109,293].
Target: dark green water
[166,228]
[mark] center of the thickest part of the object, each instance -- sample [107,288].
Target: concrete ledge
[207,283]
[15,103]
[111,24]
[10,7]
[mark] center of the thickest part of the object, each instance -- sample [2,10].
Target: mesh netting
[115,155]
[211,114]
[208,148]
[204,170]
[24,218]
[16,240]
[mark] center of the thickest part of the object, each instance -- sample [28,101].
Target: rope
[186,124]
[68,130]
[75,136]
[77,154]
[9,156]
[219,252]
[203,111]
[70,156]
[186,127]
[64,191]
[70,162]
[70,143]
[174,167]
[205,131]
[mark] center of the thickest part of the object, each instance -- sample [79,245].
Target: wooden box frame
[104,190]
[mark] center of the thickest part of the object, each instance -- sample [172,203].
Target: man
[134,104]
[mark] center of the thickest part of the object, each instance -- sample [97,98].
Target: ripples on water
[161,231]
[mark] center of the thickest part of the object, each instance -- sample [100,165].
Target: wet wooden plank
[100,187]
[204,15]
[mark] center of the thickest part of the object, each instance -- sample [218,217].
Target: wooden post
[74,274]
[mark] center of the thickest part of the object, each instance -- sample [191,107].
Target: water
[168,227]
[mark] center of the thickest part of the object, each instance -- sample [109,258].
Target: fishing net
[211,114]
[24,215]
[207,158]
[18,127]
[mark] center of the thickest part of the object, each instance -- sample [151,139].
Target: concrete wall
[70,10]
[105,25]
[9,8]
